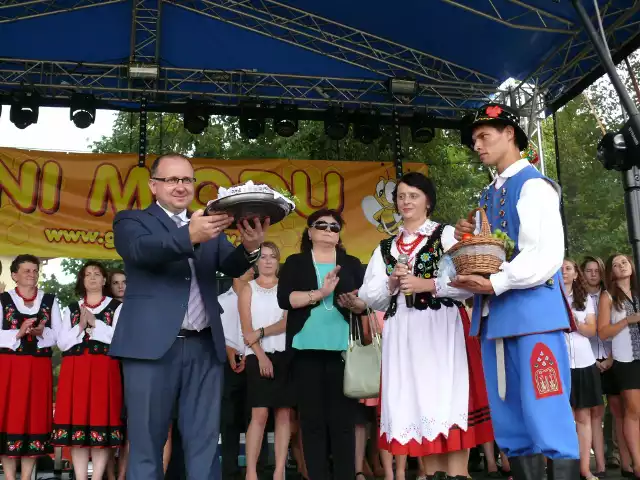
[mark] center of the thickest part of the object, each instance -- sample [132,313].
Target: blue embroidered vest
[518,312]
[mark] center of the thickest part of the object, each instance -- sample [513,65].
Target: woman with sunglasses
[433,402]
[309,289]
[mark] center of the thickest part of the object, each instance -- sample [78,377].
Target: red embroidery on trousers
[544,372]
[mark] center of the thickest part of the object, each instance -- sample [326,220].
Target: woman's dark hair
[305,241]
[579,288]
[614,290]
[112,273]
[422,183]
[80,290]
[24,258]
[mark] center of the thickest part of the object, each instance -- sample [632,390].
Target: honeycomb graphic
[18,228]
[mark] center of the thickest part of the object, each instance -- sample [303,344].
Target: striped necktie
[195,318]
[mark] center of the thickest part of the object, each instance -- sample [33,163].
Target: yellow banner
[62,205]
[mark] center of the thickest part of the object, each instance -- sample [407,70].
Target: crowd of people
[524,357]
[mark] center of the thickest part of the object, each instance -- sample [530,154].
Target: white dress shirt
[580,352]
[230,317]
[541,235]
[202,321]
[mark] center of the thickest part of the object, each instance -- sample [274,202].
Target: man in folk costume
[520,312]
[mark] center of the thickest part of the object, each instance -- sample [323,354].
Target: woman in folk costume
[88,416]
[30,322]
[433,399]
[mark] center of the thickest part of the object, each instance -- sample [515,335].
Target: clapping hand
[330,282]
[352,302]
[25,328]
[39,330]
[89,318]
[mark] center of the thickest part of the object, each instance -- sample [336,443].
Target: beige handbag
[363,362]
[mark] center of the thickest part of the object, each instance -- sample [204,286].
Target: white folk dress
[425,394]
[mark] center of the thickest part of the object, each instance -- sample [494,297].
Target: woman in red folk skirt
[30,322]
[88,414]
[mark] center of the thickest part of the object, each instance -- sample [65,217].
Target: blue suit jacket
[155,253]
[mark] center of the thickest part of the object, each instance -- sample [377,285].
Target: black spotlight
[252,119]
[25,108]
[336,123]
[620,150]
[285,120]
[196,117]
[82,111]
[421,130]
[366,128]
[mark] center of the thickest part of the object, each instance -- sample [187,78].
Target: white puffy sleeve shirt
[49,335]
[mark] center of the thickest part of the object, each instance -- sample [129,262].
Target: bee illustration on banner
[379,209]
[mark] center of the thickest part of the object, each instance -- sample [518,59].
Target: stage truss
[445,90]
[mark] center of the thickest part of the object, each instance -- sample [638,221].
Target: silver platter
[250,205]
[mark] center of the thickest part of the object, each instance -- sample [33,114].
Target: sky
[55,131]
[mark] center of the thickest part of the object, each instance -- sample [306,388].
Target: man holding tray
[169,334]
[520,312]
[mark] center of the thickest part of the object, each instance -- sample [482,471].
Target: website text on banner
[62,205]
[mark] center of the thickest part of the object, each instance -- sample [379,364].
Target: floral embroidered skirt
[26,405]
[443,405]
[89,402]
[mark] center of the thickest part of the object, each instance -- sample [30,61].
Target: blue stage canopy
[309,52]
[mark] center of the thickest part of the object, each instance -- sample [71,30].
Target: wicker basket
[480,255]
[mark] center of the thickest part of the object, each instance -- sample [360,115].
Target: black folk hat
[493,114]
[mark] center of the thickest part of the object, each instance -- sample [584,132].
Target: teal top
[324,329]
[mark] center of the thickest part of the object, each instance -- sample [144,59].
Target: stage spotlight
[336,123]
[421,130]
[285,120]
[251,120]
[196,117]
[366,128]
[402,87]
[620,150]
[25,108]
[82,110]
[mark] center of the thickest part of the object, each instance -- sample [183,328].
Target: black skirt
[627,374]
[608,381]
[276,392]
[586,388]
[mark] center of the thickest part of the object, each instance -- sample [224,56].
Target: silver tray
[250,205]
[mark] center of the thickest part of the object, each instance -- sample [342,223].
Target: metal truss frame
[15,10]
[445,89]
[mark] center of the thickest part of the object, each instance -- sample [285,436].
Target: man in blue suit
[169,333]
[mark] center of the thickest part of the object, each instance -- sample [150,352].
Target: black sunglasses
[334,227]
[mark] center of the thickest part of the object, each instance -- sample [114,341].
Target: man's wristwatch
[253,255]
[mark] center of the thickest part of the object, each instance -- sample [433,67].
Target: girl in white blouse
[586,391]
[267,363]
[618,319]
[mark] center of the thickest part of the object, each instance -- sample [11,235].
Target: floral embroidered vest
[12,319]
[425,266]
[94,347]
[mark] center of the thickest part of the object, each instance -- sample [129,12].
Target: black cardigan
[298,275]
